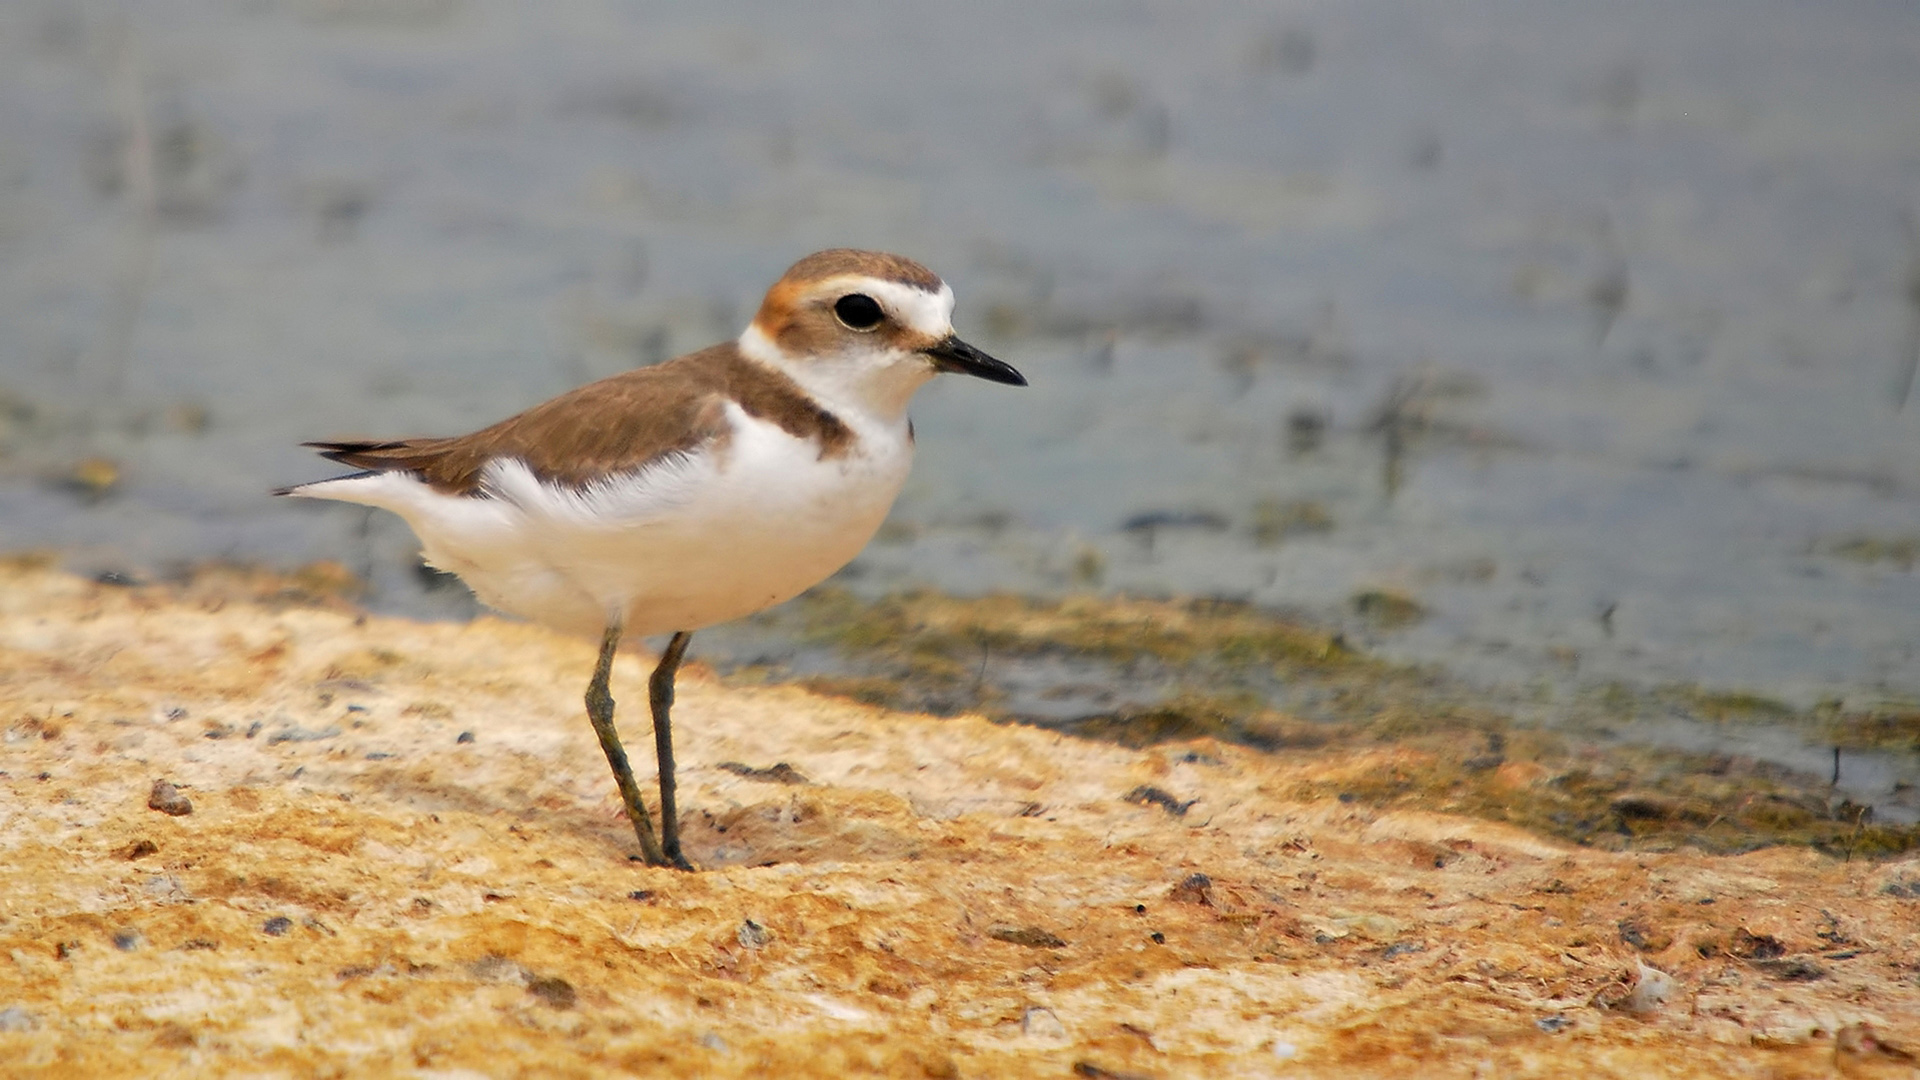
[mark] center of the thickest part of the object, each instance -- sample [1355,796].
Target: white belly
[678,546]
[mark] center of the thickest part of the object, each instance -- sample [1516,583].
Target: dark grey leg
[600,713]
[660,697]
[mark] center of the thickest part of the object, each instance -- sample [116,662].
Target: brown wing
[616,425]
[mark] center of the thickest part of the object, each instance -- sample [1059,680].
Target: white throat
[873,384]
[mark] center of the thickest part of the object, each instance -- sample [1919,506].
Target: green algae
[1735,705]
[1900,551]
[1387,609]
[1274,521]
[1889,727]
[1884,725]
[1379,734]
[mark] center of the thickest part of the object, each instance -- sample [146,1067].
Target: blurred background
[1553,345]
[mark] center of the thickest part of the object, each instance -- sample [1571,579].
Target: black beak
[955,355]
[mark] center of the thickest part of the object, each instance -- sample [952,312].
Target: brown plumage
[617,425]
[835,262]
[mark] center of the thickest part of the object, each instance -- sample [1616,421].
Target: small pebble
[1553,1024]
[140,849]
[499,969]
[556,992]
[126,940]
[277,925]
[1090,1071]
[15,1018]
[167,799]
[752,935]
[778,773]
[1040,1022]
[1650,990]
[1794,970]
[1031,936]
[1193,889]
[464,737]
[294,733]
[1148,795]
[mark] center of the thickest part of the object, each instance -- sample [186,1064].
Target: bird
[674,497]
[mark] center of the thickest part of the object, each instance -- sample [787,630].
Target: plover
[686,494]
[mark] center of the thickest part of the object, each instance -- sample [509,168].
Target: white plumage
[684,543]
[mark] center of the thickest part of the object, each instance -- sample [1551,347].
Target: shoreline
[358,889]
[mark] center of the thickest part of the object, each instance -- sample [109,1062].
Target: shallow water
[1584,327]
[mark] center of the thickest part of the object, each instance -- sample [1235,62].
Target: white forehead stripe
[931,313]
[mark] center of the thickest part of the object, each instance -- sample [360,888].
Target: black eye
[857,311]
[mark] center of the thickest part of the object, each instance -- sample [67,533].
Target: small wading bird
[678,496]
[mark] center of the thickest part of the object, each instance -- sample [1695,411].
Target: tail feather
[372,457]
[380,455]
[442,463]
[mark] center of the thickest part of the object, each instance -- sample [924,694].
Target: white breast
[682,544]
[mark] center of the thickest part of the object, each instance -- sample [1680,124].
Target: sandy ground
[362,889]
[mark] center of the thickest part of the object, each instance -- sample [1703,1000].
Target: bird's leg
[600,714]
[660,697]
